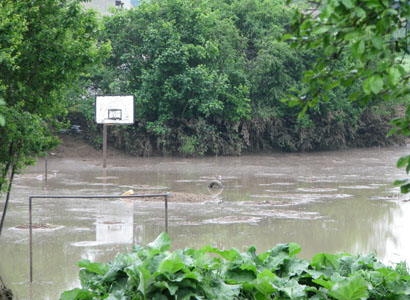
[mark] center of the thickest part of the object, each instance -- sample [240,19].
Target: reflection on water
[328,201]
[115,223]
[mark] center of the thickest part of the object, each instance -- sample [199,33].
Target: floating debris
[38,226]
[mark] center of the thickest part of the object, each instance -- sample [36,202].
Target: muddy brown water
[326,202]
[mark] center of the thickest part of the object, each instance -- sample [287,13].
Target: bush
[154,272]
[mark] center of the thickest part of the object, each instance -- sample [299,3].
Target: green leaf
[263,282]
[287,37]
[2,121]
[358,49]
[352,288]
[117,295]
[325,283]
[403,161]
[97,268]
[171,264]
[400,182]
[296,267]
[293,289]
[348,4]
[355,95]
[294,249]
[325,260]
[76,294]
[240,276]
[302,112]
[161,243]
[360,12]
[405,189]
[321,29]
[394,76]
[391,132]
[376,84]
[377,42]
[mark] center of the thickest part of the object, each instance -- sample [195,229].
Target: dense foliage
[154,272]
[208,78]
[44,47]
[376,37]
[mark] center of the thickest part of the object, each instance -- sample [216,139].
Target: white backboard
[114,109]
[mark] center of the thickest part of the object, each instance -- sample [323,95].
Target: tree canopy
[375,37]
[45,46]
[179,59]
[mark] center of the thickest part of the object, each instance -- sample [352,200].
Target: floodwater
[326,202]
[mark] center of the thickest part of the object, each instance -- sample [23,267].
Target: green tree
[11,27]
[180,59]
[45,46]
[375,36]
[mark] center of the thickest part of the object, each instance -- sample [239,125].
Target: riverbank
[195,138]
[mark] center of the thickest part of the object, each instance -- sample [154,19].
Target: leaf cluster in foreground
[155,272]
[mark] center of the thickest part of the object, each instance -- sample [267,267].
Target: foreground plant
[154,272]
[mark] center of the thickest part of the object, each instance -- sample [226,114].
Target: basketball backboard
[114,109]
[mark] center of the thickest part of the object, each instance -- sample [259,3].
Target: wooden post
[105,146]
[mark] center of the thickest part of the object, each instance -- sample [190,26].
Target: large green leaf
[230,255]
[394,76]
[294,249]
[352,288]
[161,243]
[171,264]
[222,291]
[296,267]
[328,284]
[76,294]
[292,289]
[376,84]
[118,295]
[97,268]
[377,42]
[325,260]
[358,48]
[348,4]
[403,161]
[240,276]
[263,282]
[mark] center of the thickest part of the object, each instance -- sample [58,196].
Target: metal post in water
[166,213]
[45,171]
[31,247]
[105,145]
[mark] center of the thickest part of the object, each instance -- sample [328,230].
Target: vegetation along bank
[208,78]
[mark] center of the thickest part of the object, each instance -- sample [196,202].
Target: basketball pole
[110,110]
[105,145]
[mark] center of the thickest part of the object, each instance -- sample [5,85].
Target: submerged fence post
[166,213]
[31,245]
[45,169]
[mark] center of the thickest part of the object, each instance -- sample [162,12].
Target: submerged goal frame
[81,197]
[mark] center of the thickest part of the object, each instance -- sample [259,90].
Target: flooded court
[325,201]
